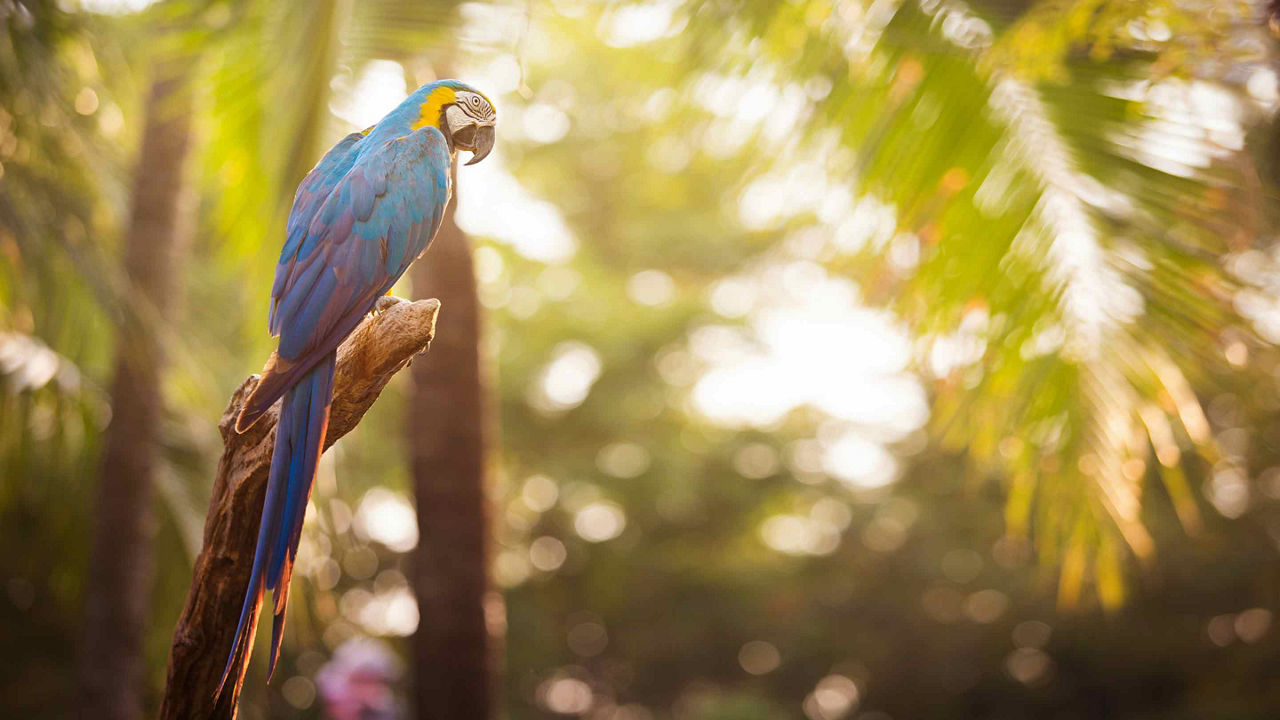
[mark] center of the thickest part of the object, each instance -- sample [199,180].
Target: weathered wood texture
[383,344]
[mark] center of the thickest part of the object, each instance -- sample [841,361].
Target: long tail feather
[304,418]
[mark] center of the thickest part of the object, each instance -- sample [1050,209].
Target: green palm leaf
[1073,228]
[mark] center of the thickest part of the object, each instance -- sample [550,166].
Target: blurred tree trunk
[446,434]
[118,588]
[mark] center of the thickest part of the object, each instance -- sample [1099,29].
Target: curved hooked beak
[478,139]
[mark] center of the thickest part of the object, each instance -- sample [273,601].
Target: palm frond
[1058,220]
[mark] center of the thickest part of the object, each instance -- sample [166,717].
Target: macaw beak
[481,143]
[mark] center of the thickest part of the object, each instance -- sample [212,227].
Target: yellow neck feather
[429,114]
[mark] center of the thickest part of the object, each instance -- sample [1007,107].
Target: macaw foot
[384,302]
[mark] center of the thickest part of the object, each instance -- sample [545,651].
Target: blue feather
[361,195]
[304,416]
[293,345]
[397,241]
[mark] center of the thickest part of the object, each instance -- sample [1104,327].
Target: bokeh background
[879,360]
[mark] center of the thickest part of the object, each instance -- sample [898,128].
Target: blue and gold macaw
[359,218]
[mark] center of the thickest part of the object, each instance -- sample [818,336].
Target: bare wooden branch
[383,344]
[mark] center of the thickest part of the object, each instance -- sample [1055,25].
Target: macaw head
[465,116]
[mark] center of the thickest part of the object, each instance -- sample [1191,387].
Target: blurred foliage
[1051,222]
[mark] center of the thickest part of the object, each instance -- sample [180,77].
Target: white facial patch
[475,106]
[457,118]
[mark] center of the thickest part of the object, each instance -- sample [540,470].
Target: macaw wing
[314,189]
[375,222]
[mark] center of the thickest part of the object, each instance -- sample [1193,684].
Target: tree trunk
[118,588]
[446,436]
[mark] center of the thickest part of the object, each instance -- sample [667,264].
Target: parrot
[366,211]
